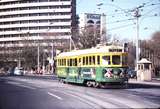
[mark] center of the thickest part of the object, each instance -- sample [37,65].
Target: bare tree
[88,37]
[151,49]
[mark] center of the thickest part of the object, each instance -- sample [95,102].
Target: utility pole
[103,29]
[137,15]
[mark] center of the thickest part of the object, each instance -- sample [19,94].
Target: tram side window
[90,60]
[98,60]
[75,61]
[73,64]
[58,62]
[64,62]
[106,60]
[94,60]
[79,62]
[83,60]
[87,60]
[61,62]
[70,62]
[116,60]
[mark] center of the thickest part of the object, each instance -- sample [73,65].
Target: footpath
[154,82]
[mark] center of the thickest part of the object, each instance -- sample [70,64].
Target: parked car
[18,71]
[131,73]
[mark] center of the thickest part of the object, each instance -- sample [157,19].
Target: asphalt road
[39,93]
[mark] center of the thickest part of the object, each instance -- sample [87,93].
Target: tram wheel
[89,84]
[96,84]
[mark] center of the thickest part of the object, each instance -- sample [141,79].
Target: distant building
[87,19]
[98,21]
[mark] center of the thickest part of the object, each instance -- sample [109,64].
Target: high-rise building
[30,21]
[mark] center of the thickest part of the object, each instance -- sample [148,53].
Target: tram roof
[98,49]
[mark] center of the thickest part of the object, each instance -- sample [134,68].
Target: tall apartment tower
[46,21]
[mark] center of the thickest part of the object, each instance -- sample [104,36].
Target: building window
[90,21]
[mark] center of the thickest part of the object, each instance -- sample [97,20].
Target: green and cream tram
[93,67]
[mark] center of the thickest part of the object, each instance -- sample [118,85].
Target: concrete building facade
[32,20]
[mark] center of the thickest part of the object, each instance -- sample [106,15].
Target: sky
[120,20]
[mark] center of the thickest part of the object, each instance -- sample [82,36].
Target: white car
[18,71]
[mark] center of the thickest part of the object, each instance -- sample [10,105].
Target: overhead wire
[126,11]
[120,27]
[119,21]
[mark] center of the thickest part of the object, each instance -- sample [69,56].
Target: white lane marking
[53,95]
[20,85]
[11,82]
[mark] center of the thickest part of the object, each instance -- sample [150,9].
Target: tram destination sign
[115,50]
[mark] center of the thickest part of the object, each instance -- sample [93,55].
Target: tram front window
[116,60]
[124,60]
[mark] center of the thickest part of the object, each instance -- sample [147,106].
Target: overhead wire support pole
[137,15]
[137,40]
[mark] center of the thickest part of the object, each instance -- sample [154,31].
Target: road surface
[38,93]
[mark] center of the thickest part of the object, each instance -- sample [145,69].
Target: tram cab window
[124,60]
[106,60]
[116,60]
